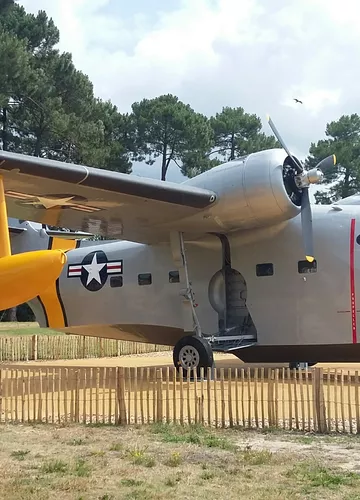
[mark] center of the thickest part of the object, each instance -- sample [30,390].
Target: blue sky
[258,54]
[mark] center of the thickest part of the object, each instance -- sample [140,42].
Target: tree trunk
[163,163]
[345,192]
[39,136]
[12,314]
[232,153]
[4,129]
[37,149]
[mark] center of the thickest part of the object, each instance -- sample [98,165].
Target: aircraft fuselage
[131,291]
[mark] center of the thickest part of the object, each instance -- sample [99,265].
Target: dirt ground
[160,461]
[165,359]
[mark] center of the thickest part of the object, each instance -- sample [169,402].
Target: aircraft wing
[349,200]
[97,201]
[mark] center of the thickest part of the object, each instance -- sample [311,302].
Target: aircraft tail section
[65,244]
[27,236]
[39,240]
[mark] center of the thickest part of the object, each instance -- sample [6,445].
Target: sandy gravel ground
[165,359]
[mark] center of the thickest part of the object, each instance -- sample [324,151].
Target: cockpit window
[305,266]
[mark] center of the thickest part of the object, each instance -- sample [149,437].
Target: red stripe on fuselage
[352,281]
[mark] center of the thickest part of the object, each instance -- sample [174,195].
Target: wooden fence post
[101,347]
[357,402]
[77,395]
[270,398]
[84,347]
[319,400]
[34,348]
[121,396]
[159,396]
[1,393]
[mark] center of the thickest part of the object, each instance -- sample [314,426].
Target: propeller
[302,180]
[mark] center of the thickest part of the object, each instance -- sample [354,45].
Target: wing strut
[24,276]
[190,319]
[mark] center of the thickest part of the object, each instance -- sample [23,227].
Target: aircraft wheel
[193,352]
[297,364]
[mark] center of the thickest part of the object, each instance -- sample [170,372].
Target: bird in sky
[297,100]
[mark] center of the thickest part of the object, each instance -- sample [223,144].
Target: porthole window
[358,239]
[266,269]
[305,267]
[145,279]
[116,281]
[174,277]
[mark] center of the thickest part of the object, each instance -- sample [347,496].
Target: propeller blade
[279,138]
[328,162]
[306,223]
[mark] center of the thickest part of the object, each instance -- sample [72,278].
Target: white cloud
[212,53]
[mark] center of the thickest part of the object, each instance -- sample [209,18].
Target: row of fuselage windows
[143,279]
[265,269]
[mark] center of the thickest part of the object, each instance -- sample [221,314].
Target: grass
[19,454]
[8,329]
[315,475]
[158,461]
[195,434]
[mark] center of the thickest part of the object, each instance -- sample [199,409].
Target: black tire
[200,354]
[296,364]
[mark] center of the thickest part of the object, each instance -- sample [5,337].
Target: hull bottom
[152,334]
[315,353]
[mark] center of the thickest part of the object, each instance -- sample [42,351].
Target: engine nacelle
[252,191]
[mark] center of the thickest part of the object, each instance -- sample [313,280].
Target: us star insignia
[52,201]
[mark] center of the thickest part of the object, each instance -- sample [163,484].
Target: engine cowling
[253,191]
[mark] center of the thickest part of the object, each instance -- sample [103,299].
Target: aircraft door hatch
[237,314]
[227,295]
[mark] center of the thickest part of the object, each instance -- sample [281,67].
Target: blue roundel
[94,271]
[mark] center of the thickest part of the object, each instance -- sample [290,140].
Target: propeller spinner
[303,179]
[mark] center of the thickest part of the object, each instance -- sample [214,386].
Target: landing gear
[193,352]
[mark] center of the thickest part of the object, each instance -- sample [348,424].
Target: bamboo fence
[313,400]
[50,347]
